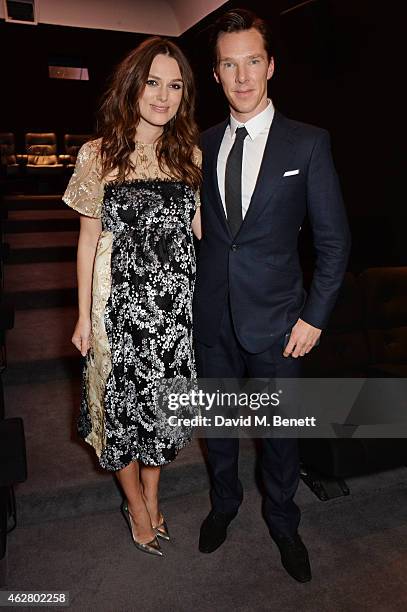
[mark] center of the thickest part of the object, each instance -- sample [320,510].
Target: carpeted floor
[357,546]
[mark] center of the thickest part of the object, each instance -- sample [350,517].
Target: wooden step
[28,202]
[41,285]
[36,247]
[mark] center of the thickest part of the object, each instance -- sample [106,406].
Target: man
[262,174]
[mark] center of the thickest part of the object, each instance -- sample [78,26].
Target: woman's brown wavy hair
[119,116]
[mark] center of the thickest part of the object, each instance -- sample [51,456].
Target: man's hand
[303,337]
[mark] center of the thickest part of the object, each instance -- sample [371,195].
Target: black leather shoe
[294,557]
[213,530]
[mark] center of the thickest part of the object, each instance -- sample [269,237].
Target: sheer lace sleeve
[198,162]
[85,188]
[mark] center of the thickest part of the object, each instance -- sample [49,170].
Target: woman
[136,188]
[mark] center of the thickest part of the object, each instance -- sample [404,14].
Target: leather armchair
[42,157]
[385,298]
[8,159]
[367,337]
[73,143]
[344,349]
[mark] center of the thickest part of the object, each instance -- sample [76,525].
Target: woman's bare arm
[196,224]
[88,239]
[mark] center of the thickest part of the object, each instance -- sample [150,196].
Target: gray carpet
[357,545]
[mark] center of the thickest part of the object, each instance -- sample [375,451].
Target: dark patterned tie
[233,182]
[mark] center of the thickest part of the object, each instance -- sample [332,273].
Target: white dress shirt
[258,128]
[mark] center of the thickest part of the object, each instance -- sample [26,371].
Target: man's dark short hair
[239,20]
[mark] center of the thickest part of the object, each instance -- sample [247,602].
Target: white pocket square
[291,172]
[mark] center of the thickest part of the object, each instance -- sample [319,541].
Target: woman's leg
[129,478]
[150,478]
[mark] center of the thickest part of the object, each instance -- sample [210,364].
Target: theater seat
[343,350]
[73,143]
[367,337]
[13,469]
[42,158]
[385,298]
[341,458]
[8,157]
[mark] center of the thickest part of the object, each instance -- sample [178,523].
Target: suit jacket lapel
[213,156]
[276,159]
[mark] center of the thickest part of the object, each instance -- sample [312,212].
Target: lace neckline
[145,144]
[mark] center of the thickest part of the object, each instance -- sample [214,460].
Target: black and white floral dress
[143,281]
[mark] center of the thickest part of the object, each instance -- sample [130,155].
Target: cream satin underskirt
[99,362]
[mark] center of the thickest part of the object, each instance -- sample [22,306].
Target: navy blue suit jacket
[260,267]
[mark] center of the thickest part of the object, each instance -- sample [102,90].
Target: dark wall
[31,101]
[337,66]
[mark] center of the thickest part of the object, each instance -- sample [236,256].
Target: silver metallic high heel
[161,530]
[153,547]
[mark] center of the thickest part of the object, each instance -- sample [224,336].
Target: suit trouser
[280,457]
